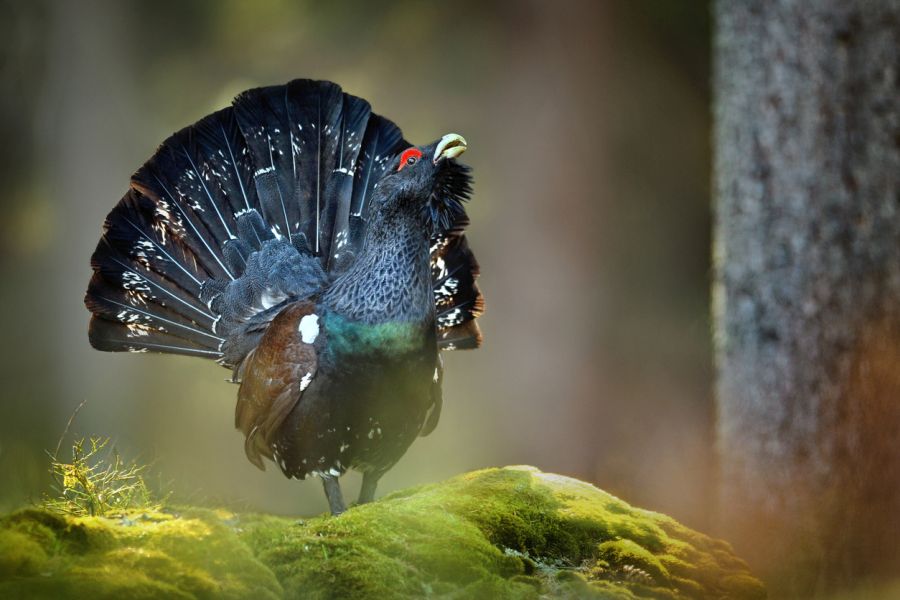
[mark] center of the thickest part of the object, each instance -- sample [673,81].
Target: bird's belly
[362,411]
[382,415]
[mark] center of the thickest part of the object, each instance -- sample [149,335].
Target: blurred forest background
[588,128]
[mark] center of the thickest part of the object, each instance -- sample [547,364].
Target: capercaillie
[297,239]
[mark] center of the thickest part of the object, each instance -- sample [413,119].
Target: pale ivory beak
[450,146]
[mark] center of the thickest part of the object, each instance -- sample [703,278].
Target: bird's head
[427,182]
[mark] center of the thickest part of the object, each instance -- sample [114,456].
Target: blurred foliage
[98,482]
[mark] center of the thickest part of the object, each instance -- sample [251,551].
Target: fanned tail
[286,174]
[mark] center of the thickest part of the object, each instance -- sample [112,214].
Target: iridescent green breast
[346,337]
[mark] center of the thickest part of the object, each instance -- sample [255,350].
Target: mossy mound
[194,554]
[496,533]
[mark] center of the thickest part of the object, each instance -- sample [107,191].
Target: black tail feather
[264,118]
[458,301]
[335,226]
[139,232]
[144,318]
[382,141]
[142,287]
[226,160]
[112,336]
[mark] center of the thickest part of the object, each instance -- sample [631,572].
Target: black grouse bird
[297,239]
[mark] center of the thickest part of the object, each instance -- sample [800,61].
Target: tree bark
[806,296]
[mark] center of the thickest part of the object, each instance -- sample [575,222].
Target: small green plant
[97,481]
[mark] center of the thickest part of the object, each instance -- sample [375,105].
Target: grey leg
[335,497]
[369,483]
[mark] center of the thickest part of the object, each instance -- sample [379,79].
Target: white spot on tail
[309,328]
[450,319]
[441,267]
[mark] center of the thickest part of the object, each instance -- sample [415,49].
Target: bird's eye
[410,156]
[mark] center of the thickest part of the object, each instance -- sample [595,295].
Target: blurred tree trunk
[807,286]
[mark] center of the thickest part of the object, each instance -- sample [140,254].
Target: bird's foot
[334,495]
[367,491]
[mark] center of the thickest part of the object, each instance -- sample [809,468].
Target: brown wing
[273,377]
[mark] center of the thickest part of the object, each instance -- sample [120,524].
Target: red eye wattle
[410,156]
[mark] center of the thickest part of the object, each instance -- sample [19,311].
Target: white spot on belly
[309,328]
[304,383]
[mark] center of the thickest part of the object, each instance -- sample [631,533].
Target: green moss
[20,555]
[498,533]
[136,555]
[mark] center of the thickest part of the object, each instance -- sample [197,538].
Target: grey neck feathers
[391,278]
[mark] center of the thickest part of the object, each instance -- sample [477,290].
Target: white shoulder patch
[309,328]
